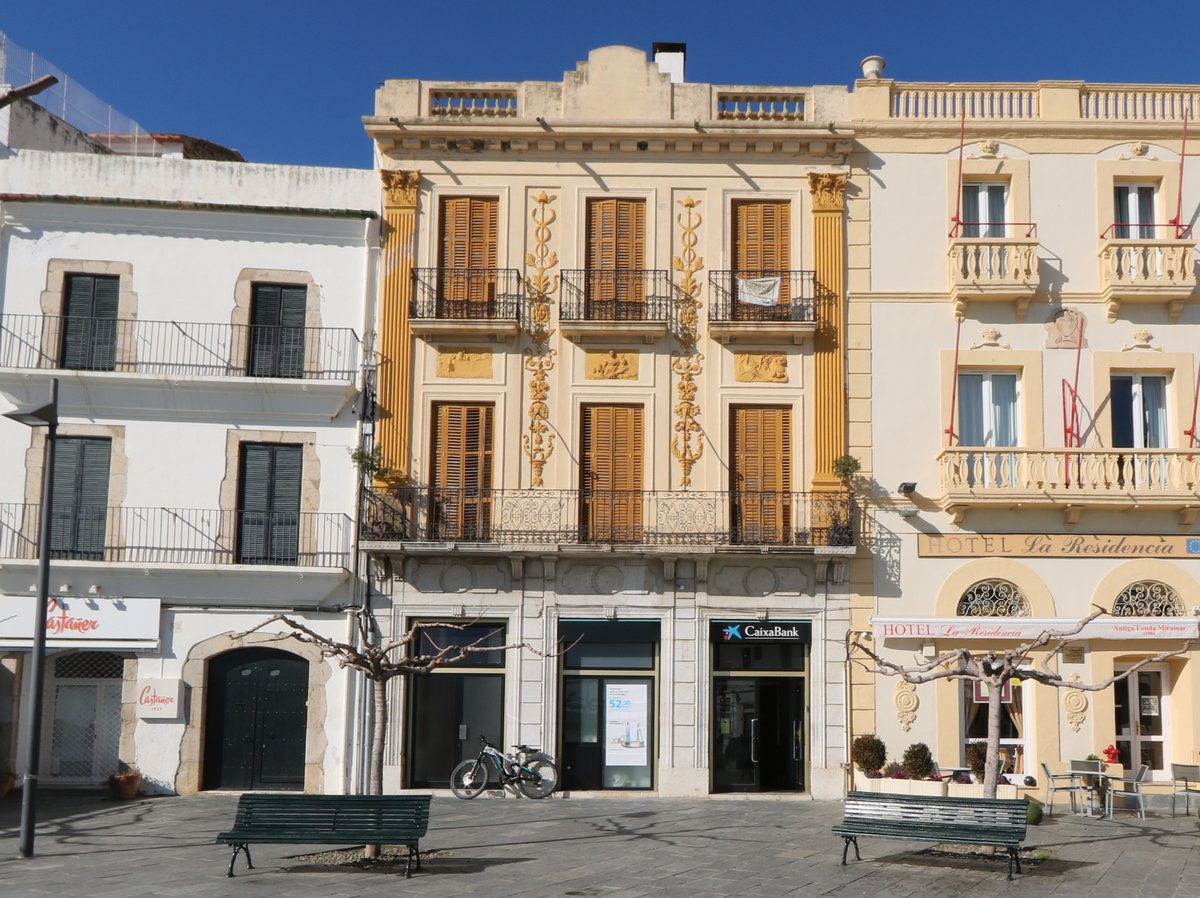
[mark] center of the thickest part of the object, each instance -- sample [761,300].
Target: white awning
[97,623]
[1025,628]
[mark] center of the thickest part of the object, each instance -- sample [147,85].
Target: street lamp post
[38,416]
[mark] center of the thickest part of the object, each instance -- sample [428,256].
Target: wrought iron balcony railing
[465,294]
[606,517]
[201,536]
[177,348]
[600,294]
[762,295]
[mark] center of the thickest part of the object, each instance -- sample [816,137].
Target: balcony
[178,536]
[177,349]
[472,303]
[1071,480]
[1160,270]
[993,269]
[763,305]
[617,304]
[670,522]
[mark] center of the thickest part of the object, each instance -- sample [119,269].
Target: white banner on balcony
[1025,628]
[759,291]
[82,622]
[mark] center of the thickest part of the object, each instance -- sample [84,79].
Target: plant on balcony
[894,770]
[840,531]
[868,753]
[845,467]
[993,668]
[370,463]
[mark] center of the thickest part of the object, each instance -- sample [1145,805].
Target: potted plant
[896,779]
[918,763]
[840,531]
[868,753]
[125,783]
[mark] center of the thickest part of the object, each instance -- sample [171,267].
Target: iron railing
[177,348]
[203,536]
[606,517]
[631,294]
[795,298]
[485,294]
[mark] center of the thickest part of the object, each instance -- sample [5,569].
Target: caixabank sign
[760,631]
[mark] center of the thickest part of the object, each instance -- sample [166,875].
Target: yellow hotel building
[1023,334]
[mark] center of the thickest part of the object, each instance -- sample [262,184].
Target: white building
[205,322]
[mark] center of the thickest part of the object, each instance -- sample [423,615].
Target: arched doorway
[256,720]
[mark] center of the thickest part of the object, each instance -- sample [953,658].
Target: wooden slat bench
[333,819]
[960,821]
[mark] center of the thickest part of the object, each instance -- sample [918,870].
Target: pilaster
[829,256]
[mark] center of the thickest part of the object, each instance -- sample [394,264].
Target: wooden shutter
[277,319]
[79,501]
[616,258]
[612,473]
[89,336]
[468,256]
[762,246]
[762,473]
[269,503]
[462,478]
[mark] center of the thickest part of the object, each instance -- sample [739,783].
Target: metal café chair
[1131,788]
[1092,781]
[1061,782]
[1185,781]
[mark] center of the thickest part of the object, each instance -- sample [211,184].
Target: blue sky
[290,81]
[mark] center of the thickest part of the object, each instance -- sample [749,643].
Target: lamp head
[907,488]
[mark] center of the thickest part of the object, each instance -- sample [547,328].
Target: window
[1141,706]
[89,324]
[616,260]
[1012,722]
[1133,211]
[762,240]
[983,207]
[277,316]
[269,503]
[462,472]
[468,257]
[1139,411]
[79,501]
[1148,598]
[993,598]
[761,453]
[611,473]
[987,416]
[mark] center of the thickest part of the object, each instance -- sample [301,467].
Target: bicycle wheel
[469,779]
[543,782]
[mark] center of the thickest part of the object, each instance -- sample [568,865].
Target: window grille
[993,598]
[1148,598]
[89,666]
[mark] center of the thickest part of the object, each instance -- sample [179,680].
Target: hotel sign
[1031,627]
[1055,545]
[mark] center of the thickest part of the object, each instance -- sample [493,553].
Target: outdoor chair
[1130,787]
[1062,782]
[1185,781]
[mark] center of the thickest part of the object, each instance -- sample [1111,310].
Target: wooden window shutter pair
[616,259]
[79,501]
[462,483]
[612,472]
[469,250]
[762,473]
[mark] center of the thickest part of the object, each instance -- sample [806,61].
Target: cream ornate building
[610,394]
[1023,330]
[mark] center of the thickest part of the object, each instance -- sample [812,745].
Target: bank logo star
[733,632]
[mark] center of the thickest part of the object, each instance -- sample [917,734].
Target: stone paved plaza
[626,847]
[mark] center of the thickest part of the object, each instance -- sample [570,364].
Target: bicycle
[532,771]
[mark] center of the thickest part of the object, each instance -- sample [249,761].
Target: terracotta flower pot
[124,786]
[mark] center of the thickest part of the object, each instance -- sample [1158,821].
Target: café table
[1095,780]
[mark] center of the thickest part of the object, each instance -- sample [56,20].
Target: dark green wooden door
[256,720]
[79,500]
[277,314]
[89,323]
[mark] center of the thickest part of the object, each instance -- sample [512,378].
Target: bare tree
[996,667]
[381,659]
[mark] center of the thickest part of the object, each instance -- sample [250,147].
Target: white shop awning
[1024,628]
[95,623]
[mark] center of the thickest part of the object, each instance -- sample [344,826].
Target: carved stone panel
[610,365]
[760,367]
[464,363]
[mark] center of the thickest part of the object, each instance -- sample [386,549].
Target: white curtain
[1154,411]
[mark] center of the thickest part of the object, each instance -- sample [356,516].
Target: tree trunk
[991,770]
[378,739]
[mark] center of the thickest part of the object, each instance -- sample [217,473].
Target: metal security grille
[85,726]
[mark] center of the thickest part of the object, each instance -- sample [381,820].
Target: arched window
[993,598]
[1147,598]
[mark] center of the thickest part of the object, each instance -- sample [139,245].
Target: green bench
[960,821]
[329,819]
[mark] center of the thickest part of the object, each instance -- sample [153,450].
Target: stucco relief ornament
[1076,705]
[906,704]
[989,337]
[1141,340]
[828,191]
[1140,150]
[988,148]
[538,443]
[687,445]
[1064,330]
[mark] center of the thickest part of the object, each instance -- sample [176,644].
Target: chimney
[670,58]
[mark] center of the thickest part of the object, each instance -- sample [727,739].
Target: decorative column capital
[400,187]
[828,191]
